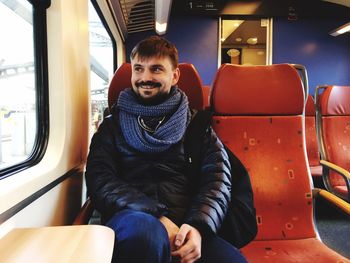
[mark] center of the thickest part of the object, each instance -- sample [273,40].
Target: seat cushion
[341,190]
[316,170]
[299,250]
[336,136]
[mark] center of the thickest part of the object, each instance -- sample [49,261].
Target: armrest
[339,170]
[336,168]
[333,199]
[84,214]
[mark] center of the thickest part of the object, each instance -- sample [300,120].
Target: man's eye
[157,70]
[138,69]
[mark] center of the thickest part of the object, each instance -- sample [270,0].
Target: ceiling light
[233,52]
[340,30]
[252,40]
[162,12]
[238,39]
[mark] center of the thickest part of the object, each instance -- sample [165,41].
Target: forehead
[150,61]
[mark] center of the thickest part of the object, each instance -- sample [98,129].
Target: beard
[156,99]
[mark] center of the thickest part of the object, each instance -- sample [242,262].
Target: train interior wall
[304,41]
[196,39]
[68,57]
[307,42]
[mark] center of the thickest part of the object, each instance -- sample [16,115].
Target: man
[136,170]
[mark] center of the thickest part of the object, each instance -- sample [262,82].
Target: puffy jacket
[119,177]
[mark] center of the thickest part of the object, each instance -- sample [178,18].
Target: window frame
[42,91]
[105,24]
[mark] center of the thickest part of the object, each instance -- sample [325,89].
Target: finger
[182,234]
[184,250]
[191,257]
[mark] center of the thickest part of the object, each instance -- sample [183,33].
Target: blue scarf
[177,116]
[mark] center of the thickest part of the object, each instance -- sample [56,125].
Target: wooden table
[84,243]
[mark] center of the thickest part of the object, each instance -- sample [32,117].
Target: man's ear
[176,76]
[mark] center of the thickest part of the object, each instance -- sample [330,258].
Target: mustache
[148,83]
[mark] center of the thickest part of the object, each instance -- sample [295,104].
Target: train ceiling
[140,15]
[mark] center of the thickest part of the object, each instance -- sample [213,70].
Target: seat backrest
[258,115]
[334,109]
[189,82]
[120,81]
[206,96]
[313,153]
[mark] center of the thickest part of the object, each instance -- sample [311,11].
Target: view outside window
[18,127]
[101,67]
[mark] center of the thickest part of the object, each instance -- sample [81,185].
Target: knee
[139,228]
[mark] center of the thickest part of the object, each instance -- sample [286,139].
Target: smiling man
[136,170]
[152,77]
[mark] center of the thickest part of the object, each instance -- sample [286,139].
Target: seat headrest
[257,90]
[120,81]
[189,82]
[335,100]
[310,108]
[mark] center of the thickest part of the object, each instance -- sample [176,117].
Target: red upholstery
[335,101]
[189,82]
[335,110]
[121,80]
[310,109]
[254,86]
[262,123]
[299,250]
[313,153]
[206,94]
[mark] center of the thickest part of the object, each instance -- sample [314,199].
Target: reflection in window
[244,42]
[101,65]
[18,127]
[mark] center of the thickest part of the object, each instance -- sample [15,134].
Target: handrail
[319,122]
[304,77]
[335,200]
[341,171]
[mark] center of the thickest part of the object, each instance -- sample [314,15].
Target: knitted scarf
[175,110]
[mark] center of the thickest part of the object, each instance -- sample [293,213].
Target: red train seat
[334,129]
[258,115]
[206,94]
[189,82]
[313,153]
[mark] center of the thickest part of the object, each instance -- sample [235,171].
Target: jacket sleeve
[107,190]
[210,203]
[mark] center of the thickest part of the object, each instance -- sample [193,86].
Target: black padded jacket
[119,177]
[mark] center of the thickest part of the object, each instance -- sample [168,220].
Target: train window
[22,85]
[245,42]
[101,66]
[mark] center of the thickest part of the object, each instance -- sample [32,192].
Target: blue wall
[195,39]
[307,42]
[304,41]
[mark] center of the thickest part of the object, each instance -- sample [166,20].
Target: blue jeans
[141,237]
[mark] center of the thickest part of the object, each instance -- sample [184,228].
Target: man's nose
[147,76]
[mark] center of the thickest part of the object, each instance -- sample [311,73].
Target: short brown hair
[156,46]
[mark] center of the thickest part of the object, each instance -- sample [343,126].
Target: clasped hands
[185,242]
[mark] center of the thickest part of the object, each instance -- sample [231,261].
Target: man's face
[152,78]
